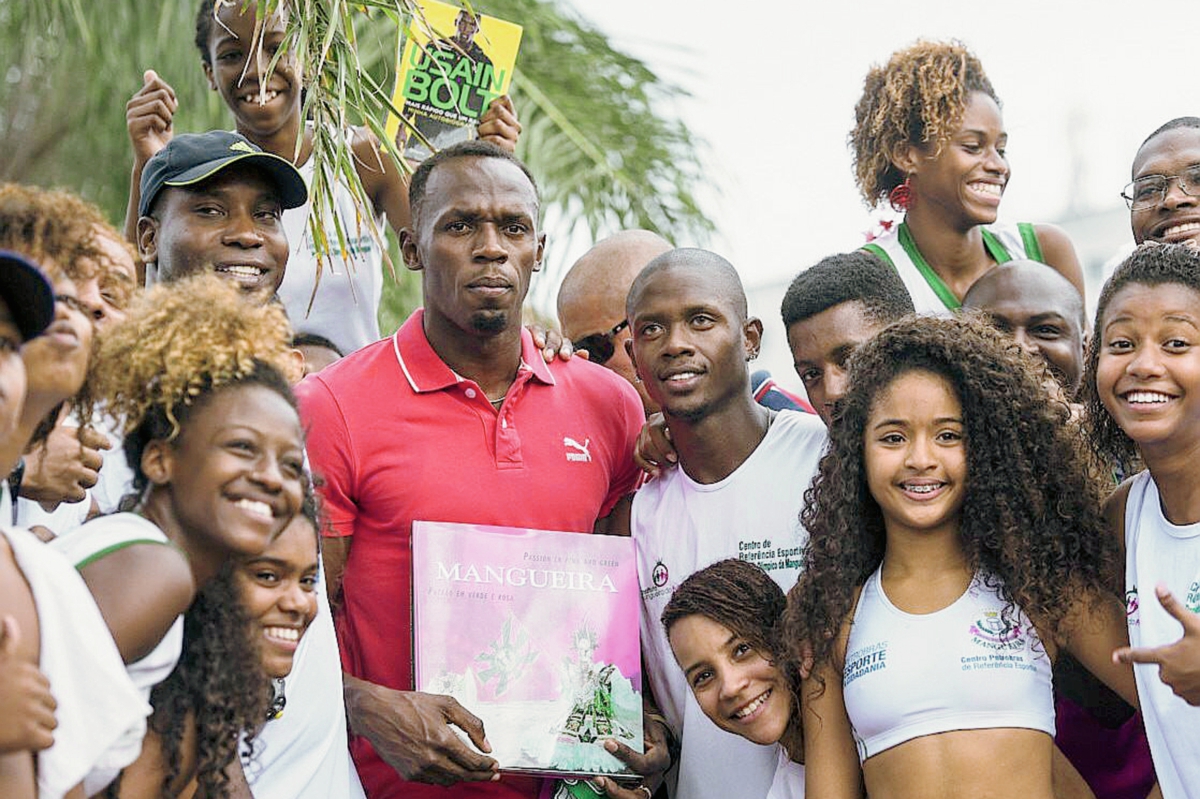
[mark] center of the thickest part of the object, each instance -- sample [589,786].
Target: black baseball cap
[27,293]
[191,158]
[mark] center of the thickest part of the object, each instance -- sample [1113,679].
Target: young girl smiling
[1142,371]
[722,623]
[214,441]
[956,546]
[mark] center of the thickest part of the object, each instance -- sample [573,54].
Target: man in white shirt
[737,492]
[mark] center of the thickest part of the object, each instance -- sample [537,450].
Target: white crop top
[964,667]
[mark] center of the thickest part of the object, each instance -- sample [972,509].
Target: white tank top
[105,535]
[346,304]
[1157,551]
[964,667]
[929,294]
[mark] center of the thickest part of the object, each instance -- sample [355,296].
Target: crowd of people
[967,563]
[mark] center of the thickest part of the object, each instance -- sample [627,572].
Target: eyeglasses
[1151,190]
[600,346]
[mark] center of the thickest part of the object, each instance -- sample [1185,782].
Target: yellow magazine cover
[445,83]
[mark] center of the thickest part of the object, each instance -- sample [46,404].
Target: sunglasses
[600,346]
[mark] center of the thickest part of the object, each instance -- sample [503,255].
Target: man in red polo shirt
[454,418]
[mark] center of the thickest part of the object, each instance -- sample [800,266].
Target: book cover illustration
[536,633]
[445,83]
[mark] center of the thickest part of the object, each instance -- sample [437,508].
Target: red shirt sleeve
[626,473]
[330,454]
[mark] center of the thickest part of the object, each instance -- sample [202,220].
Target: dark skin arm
[149,119]
[140,612]
[1060,254]
[410,730]
[617,520]
[26,704]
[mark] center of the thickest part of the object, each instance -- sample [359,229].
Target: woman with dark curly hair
[722,623]
[956,546]
[929,138]
[1143,370]
[243,628]
[214,440]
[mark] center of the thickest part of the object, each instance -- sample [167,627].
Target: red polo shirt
[398,436]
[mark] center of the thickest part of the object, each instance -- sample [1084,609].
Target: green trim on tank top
[103,553]
[931,277]
[995,249]
[1033,247]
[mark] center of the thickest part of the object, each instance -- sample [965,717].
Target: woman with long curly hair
[956,547]
[1140,384]
[723,626]
[929,138]
[239,635]
[212,434]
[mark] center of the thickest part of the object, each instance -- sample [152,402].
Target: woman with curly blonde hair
[215,444]
[956,548]
[929,138]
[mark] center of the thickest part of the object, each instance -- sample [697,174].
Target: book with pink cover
[536,633]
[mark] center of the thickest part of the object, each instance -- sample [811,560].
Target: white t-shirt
[101,715]
[346,305]
[1157,551]
[680,526]
[789,779]
[304,753]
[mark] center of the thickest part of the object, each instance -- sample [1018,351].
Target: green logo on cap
[241,146]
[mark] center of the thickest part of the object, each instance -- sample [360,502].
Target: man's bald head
[600,280]
[591,300]
[705,265]
[1040,308]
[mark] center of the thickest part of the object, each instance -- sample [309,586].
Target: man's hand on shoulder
[412,732]
[654,450]
[552,343]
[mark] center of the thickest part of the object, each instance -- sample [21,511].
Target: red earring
[901,196]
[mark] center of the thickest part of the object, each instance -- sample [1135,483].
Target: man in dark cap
[214,201]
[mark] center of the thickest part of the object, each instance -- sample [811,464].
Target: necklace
[496,403]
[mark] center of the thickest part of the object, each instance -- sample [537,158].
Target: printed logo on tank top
[1192,602]
[993,631]
[1005,638]
[1131,607]
[864,661]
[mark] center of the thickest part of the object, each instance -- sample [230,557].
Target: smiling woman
[929,138]
[956,549]
[278,590]
[214,441]
[722,623]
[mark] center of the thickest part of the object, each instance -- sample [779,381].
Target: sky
[773,88]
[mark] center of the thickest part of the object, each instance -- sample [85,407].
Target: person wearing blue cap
[214,202]
[26,309]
